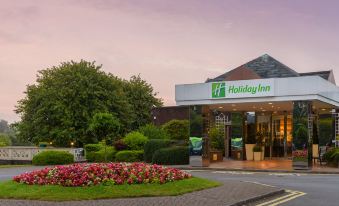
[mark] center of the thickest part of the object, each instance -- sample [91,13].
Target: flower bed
[78,175]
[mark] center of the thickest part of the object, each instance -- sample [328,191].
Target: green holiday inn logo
[220,90]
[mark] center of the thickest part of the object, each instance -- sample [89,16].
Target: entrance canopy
[248,93]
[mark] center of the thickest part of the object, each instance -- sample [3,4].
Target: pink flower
[93,174]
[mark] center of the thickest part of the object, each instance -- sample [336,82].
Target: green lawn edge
[11,166]
[13,190]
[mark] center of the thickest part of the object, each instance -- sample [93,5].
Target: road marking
[292,195]
[233,172]
[258,183]
[194,170]
[286,174]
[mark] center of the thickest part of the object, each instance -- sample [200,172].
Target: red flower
[93,174]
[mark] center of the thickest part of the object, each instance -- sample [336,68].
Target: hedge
[171,156]
[99,156]
[53,158]
[153,145]
[129,156]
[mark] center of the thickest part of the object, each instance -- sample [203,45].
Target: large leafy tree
[60,106]
[142,98]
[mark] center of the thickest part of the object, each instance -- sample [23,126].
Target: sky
[166,42]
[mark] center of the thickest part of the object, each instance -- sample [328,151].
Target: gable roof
[264,66]
[322,74]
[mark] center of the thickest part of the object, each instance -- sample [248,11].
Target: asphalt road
[321,190]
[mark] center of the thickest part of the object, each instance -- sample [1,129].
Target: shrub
[217,139]
[4,140]
[53,158]
[135,140]
[332,156]
[153,132]
[120,145]
[129,156]
[177,129]
[99,156]
[81,175]
[153,145]
[257,148]
[96,153]
[93,147]
[172,156]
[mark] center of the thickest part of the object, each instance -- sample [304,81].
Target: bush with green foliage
[332,156]
[129,156]
[177,129]
[257,148]
[216,139]
[135,140]
[53,158]
[153,132]
[93,147]
[153,145]
[96,153]
[4,140]
[99,156]
[178,155]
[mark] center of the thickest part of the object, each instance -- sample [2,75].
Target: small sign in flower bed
[80,175]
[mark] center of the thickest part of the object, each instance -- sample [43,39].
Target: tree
[60,106]
[105,127]
[4,128]
[142,98]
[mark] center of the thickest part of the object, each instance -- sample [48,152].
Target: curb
[256,170]
[257,198]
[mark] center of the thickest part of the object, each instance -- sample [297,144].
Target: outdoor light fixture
[220,107]
[270,103]
[72,143]
[50,143]
[323,109]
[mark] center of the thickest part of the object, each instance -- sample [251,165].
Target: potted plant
[217,144]
[260,143]
[257,150]
[205,156]
[249,147]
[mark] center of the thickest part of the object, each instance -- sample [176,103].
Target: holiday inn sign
[245,88]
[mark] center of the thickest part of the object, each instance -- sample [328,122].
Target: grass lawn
[13,190]
[9,166]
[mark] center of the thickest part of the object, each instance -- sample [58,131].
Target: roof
[322,74]
[264,66]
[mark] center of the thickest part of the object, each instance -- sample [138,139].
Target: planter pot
[205,162]
[257,156]
[249,151]
[262,152]
[216,156]
[315,151]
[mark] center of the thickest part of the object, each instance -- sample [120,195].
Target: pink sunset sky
[167,42]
